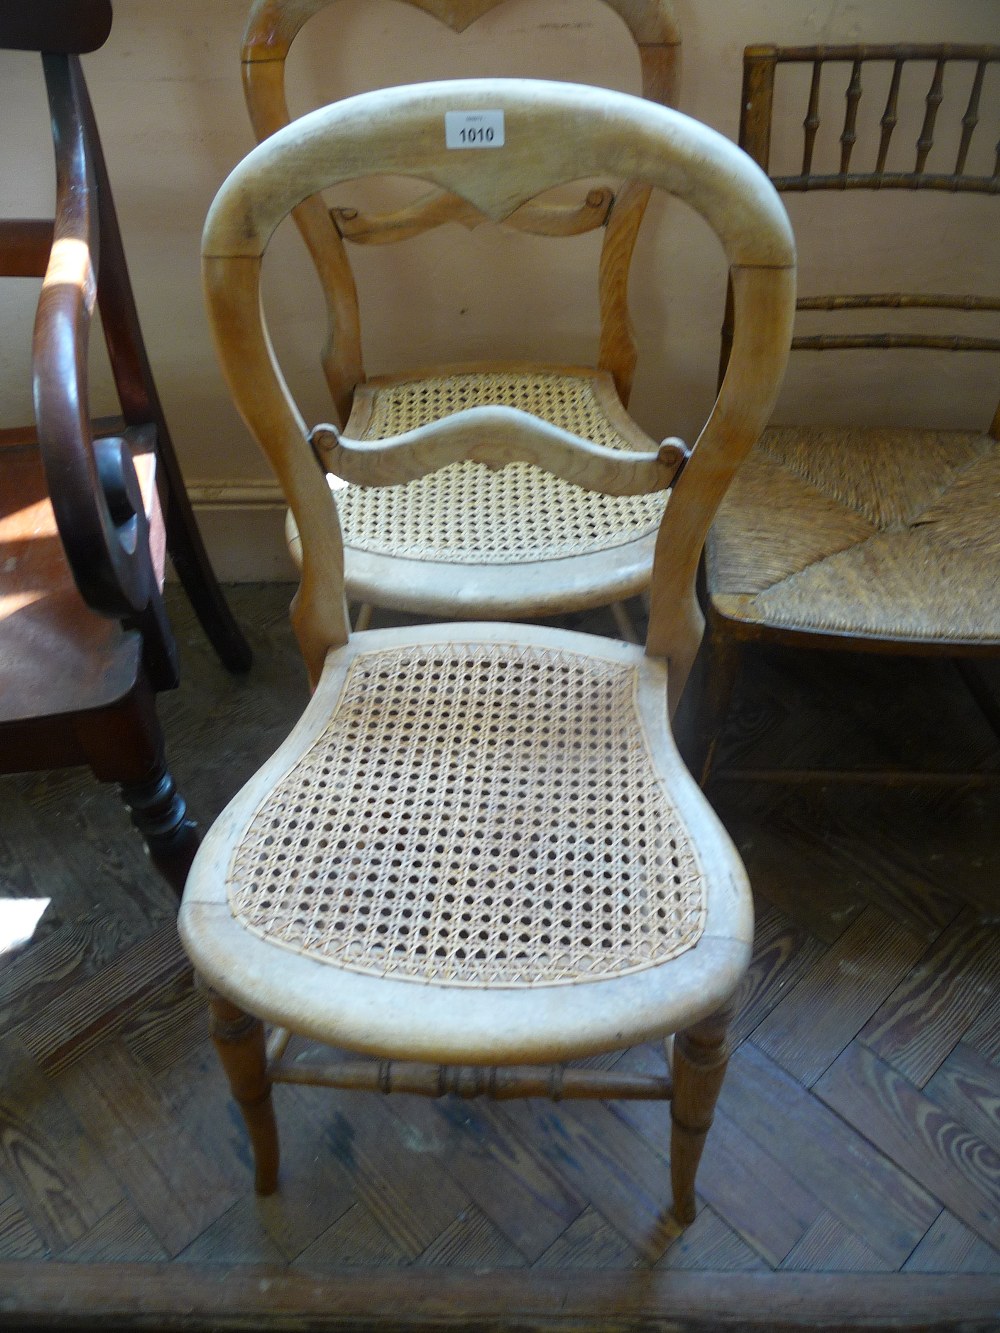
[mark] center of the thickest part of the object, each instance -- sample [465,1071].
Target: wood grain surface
[853,1164]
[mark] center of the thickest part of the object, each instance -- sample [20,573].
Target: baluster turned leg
[700,1056]
[239,1040]
[160,814]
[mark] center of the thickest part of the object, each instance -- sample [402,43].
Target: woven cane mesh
[475,814]
[470,515]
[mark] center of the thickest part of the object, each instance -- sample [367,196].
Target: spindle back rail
[759,77]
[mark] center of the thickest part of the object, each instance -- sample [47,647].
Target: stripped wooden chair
[479,847]
[89,509]
[467,542]
[869,539]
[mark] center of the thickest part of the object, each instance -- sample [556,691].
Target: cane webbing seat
[483,813]
[466,514]
[870,534]
[475,814]
[479,846]
[463,542]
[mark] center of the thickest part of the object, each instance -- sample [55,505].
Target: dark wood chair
[88,510]
[870,539]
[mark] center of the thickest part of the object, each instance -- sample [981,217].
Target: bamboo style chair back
[478,847]
[873,539]
[537,548]
[855,169]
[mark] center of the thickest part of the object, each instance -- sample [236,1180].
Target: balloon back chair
[877,539]
[89,509]
[478,850]
[464,541]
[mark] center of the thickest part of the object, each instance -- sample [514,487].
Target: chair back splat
[272,27]
[479,847]
[537,547]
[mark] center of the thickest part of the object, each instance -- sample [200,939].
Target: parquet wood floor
[853,1171]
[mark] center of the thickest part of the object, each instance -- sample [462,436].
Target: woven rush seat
[469,524]
[473,809]
[872,533]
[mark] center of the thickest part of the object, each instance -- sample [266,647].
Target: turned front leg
[700,1057]
[239,1040]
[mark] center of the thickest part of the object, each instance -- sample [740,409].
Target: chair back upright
[554,134]
[109,520]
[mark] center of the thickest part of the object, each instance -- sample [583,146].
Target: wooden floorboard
[261,1297]
[852,1174]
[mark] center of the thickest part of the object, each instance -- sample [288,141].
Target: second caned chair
[465,542]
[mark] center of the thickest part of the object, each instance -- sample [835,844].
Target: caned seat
[482,527]
[869,538]
[478,852]
[534,546]
[467,822]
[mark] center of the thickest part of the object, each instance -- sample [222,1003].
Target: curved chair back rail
[271,28]
[555,133]
[108,552]
[496,436]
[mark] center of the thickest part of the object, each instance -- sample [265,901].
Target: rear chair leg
[700,1056]
[239,1040]
[705,702]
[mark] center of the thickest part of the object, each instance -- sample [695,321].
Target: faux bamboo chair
[88,509]
[875,540]
[465,542]
[478,847]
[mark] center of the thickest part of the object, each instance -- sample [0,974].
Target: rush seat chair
[478,851]
[465,542]
[861,538]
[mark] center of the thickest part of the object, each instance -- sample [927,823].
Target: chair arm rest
[93,485]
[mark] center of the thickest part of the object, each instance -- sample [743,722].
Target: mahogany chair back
[90,508]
